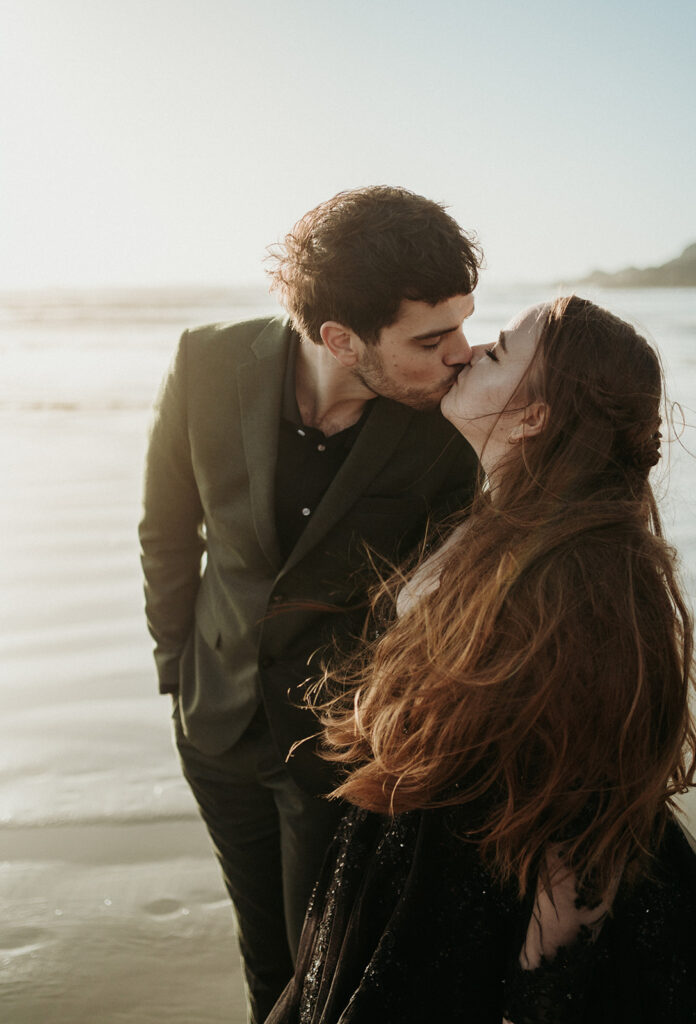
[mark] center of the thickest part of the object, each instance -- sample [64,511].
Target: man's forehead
[446,314]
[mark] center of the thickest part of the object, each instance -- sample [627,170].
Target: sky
[169,142]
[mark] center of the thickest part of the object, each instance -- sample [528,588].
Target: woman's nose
[477,352]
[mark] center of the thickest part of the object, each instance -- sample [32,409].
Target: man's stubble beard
[371,374]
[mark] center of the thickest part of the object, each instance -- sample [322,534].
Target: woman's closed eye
[491,353]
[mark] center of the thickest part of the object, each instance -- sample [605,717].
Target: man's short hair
[356,257]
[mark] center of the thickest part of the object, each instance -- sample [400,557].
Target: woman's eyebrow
[501,341]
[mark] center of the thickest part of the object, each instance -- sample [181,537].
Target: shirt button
[321,447]
[301,432]
[306,511]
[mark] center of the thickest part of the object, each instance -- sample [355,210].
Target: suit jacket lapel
[260,383]
[376,441]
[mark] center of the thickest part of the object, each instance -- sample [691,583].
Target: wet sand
[107,924]
[113,908]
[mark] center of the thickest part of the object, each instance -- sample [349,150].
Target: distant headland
[677,273]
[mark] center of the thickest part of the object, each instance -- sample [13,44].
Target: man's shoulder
[240,334]
[430,427]
[430,445]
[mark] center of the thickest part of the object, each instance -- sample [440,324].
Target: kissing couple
[503,746]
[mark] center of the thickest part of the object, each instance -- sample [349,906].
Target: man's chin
[420,401]
[423,403]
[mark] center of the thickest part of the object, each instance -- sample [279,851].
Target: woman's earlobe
[532,423]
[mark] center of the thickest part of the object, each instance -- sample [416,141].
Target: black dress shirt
[307,461]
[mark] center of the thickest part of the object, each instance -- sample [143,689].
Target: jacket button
[267,662]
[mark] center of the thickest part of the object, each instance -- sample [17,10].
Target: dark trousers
[270,838]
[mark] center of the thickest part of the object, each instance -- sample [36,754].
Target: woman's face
[482,403]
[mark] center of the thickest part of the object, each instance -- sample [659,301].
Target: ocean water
[84,737]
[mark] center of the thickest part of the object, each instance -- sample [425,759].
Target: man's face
[419,356]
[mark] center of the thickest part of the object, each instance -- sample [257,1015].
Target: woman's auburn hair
[546,681]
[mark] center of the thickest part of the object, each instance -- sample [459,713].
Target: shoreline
[105,843]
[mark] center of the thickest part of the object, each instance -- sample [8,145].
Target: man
[285,450]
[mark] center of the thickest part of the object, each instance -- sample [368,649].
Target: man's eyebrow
[434,334]
[501,341]
[442,330]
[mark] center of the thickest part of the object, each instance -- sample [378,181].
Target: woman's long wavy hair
[546,681]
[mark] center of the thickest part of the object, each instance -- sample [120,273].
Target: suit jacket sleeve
[171,531]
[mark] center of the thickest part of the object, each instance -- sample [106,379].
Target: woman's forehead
[529,316]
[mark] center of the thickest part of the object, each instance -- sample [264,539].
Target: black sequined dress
[407,927]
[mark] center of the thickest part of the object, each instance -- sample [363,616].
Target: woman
[522,726]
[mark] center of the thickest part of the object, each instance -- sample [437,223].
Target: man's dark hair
[356,257]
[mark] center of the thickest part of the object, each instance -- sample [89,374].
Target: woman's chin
[444,406]
[463,427]
[449,411]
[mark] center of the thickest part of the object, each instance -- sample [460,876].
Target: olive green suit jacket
[234,623]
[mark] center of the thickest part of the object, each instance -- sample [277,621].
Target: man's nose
[458,352]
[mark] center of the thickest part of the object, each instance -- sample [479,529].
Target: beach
[113,908]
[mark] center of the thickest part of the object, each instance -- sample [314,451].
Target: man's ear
[532,422]
[340,341]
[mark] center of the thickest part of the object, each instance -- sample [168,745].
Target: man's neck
[329,396]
